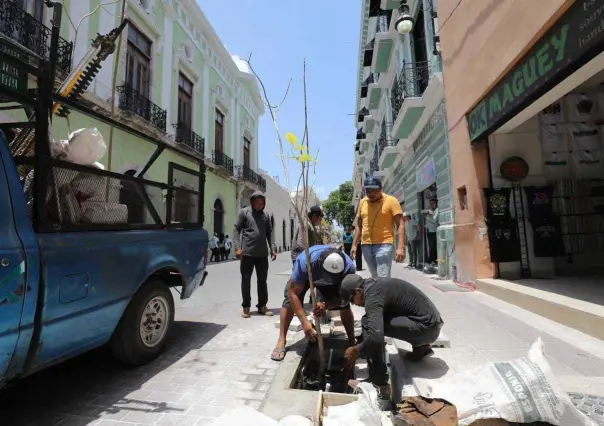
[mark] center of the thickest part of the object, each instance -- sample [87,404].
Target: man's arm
[293,290]
[358,229]
[374,336]
[269,234]
[400,229]
[237,228]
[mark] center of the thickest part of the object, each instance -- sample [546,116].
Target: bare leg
[347,318]
[285,319]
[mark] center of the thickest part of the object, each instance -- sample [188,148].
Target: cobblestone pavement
[215,360]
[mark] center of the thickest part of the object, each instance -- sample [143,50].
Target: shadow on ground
[95,386]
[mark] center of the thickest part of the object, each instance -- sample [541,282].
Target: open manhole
[336,376]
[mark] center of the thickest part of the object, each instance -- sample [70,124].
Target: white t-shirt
[228,243]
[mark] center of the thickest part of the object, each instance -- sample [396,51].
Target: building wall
[278,206]
[491,36]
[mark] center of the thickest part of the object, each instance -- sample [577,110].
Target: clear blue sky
[280,35]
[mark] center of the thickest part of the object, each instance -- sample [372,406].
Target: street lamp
[404,23]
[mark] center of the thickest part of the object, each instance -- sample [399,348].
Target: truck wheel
[144,327]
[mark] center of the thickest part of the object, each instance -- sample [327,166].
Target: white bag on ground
[524,390]
[363,412]
[295,421]
[86,146]
[244,415]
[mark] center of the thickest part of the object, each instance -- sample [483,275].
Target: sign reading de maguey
[571,42]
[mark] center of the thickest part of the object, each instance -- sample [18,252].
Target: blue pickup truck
[65,293]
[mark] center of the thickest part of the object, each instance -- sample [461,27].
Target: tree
[338,206]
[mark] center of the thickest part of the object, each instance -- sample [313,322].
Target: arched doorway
[284,241]
[218,217]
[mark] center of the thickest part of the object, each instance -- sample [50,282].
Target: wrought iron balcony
[21,27]
[412,82]
[361,134]
[247,174]
[383,22]
[133,101]
[189,138]
[373,167]
[220,159]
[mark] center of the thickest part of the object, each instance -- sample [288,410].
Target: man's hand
[400,254]
[238,253]
[353,252]
[273,256]
[309,331]
[319,309]
[350,357]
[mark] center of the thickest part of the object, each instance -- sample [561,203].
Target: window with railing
[411,82]
[185,101]
[246,152]
[219,131]
[138,61]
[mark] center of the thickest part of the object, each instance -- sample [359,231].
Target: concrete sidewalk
[483,329]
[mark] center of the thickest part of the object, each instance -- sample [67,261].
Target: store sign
[573,40]
[425,175]
[514,169]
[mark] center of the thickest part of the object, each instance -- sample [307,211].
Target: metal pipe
[329,360]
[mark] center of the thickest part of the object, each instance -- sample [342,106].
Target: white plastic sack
[59,149]
[363,412]
[295,421]
[86,146]
[244,415]
[523,391]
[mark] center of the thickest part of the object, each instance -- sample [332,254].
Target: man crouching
[329,266]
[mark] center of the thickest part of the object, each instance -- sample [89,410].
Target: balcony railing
[24,29]
[189,138]
[220,159]
[383,22]
[133,101]
[412,82]
[247,174]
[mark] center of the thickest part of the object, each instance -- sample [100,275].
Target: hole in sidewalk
[336,377]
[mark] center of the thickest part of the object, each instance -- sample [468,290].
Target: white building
[280,211]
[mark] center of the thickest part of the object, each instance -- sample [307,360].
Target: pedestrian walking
[328,267]
[377,216]
[358,256]
[315,216]
[393,308]
[220,247]
[347,240]
[431,228]
[214,248]
[412,235]
[252,240]
[228,244]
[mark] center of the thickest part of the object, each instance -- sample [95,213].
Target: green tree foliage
[338,206]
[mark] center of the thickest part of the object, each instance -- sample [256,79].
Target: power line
[449,17]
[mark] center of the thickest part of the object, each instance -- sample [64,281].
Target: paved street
[217,359]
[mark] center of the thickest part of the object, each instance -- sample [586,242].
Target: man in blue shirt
[328,266]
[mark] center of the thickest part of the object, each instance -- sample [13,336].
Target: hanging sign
[425,175]
[514,169]
[571,42]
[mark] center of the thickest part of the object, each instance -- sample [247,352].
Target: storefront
[541,131]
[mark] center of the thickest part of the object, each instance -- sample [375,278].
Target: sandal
[278,354]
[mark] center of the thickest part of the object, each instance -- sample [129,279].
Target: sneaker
[419,353]
[246,313]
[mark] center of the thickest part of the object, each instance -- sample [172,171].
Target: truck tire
[145,325]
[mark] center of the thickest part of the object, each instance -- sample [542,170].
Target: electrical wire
[449,17]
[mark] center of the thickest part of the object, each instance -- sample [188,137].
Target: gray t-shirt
[411,229]
[252,233]
[432,221]
[298,242]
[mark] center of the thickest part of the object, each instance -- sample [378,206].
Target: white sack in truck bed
[86,146]
[524,390]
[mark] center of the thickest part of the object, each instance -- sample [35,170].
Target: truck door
[12,275]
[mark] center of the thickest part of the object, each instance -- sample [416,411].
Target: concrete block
[442,341]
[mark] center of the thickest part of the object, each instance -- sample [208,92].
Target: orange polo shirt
[378,219]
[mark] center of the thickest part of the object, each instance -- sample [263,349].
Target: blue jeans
[379,259]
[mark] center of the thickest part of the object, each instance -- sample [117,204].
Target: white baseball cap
[334,263]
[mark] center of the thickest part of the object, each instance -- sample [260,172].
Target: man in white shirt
[227,246]
[214,248]
[412,236]
[431,227]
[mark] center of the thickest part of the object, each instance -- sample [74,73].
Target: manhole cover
[590,405]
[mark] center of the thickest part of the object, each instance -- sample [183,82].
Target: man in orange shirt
[377,215]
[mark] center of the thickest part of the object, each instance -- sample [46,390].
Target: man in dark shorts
[329,266]
[393,308]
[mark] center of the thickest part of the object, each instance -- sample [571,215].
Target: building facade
[525,123]
[280,211]
[402,132]
[175,81]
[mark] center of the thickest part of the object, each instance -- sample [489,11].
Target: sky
[280,35]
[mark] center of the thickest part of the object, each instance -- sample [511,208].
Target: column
[238,135]
[234,127]
[167,70]
[206,110]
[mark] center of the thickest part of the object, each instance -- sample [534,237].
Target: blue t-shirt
[299,275]
[348,238]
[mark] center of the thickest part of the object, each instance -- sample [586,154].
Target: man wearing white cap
[328,266]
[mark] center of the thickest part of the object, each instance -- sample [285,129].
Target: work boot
[419,353]
[264,311]
[246,313]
